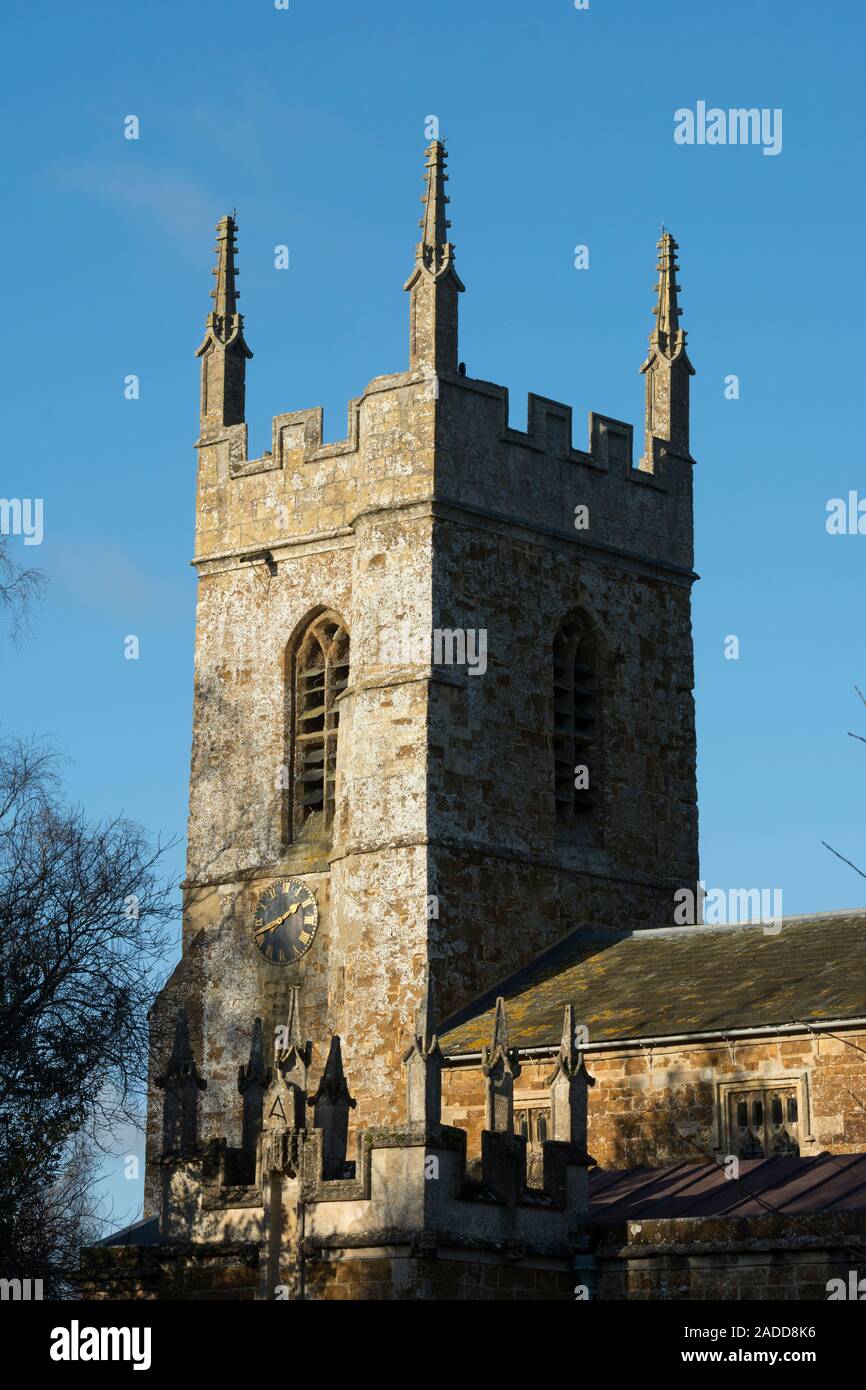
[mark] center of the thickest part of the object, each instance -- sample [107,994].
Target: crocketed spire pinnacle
[667,335]
[223,350]
[667,368]
[434,283]
[435,251]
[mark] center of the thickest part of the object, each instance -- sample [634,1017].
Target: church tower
[442,713]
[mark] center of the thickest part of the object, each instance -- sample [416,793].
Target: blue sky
[560,125]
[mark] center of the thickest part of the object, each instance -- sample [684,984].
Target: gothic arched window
[320,672]
[575,728]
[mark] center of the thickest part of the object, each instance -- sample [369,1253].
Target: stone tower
[442,711]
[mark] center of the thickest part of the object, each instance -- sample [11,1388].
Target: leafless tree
[84,914]
[19,588]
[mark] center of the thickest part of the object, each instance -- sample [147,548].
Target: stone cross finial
[181,1083]
[500,1067]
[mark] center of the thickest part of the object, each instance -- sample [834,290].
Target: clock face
[285,921]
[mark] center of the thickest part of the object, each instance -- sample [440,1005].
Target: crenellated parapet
[305,490]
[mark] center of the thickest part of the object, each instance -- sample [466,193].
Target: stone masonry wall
[756,1259]
[666,1104]
[399,1276]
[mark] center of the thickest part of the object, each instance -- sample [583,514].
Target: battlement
[409,1185]
[412,1186]
[298,436]
[412,439]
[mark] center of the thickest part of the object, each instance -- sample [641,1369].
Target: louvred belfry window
[321,674]
[575,729]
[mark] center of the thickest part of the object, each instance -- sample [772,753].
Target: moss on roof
[679,980]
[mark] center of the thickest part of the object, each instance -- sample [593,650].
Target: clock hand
[270,926]
[278,921]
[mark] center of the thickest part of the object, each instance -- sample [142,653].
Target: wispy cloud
[176,202]
[107,577]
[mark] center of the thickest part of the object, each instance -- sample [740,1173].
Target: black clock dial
[285,921]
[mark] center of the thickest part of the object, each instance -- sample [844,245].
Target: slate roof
[675,980]
[787,1186]
[144,1232]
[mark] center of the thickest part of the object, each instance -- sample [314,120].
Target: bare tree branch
[19,590]
[844,860]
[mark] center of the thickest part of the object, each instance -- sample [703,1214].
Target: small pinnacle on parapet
[293,1021]
[570,1060]
[424,1040]
[290,1047]
[499,1052]
[569,1055]
[500,1026]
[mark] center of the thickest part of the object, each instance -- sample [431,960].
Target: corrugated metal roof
[679,980]
[765,1186]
